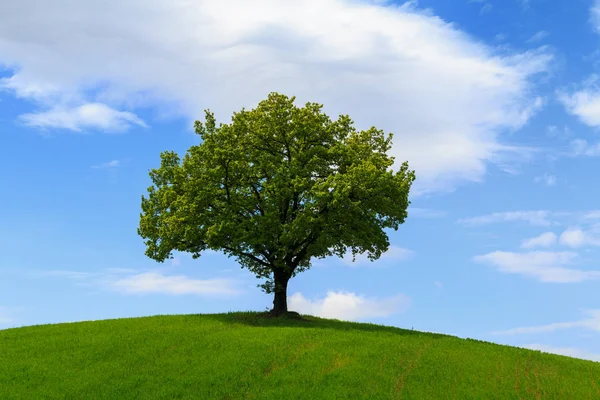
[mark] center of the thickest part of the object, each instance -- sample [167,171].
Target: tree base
[288,315]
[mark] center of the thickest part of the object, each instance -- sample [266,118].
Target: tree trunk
[281,279]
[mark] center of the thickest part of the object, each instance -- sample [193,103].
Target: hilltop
[247,355]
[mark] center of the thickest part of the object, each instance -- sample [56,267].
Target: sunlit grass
[249,356]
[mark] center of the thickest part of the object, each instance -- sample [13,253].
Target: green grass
[248,356]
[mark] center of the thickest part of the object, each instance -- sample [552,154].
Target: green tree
[276,187]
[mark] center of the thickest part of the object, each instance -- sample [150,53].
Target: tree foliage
[275,188]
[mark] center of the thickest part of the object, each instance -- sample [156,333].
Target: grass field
[250,356]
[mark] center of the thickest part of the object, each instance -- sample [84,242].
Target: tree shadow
[295,320]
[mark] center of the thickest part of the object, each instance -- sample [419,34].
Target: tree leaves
[276,187]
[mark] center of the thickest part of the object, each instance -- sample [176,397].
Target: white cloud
[548,180]
[153,282]
[581,147]
[86,116]
[546,239]
[595,15]
[445,95]
[595,214]
[591,323]
[393,253]
[110,164]
[538,218]
[348,306]
[131,281]
[564,351]
[539,35]
[541,265]
[584,103]
[575,237]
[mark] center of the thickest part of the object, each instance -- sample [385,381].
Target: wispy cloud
[592,215]
[581,147]
[110,164]
[543,266]
[534,218]
[539,35]
[156,283]
[538,218]
[130,281]
[348,306]
[87,116]
[584,102]
[546,239]
[592,322]
[555,131]
[564,351]
[595,15]
[485,9]
[394,253]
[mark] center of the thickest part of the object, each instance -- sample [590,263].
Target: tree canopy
[276,187]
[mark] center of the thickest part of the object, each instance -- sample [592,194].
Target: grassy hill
[251,356]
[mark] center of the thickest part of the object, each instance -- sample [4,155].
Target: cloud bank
[348,306]
[544,266]
[565,351]
[445,96]
[592,322]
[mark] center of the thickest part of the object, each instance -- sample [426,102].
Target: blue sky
[495,104]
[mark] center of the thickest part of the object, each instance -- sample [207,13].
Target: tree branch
[269,150]
[249,255]
[259,199]
[295,206]
[226,184]
[304,244]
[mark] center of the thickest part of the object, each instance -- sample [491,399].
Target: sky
[494,104]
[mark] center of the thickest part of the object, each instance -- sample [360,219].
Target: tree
[276,187]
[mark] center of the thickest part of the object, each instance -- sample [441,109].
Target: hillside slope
[249,356]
